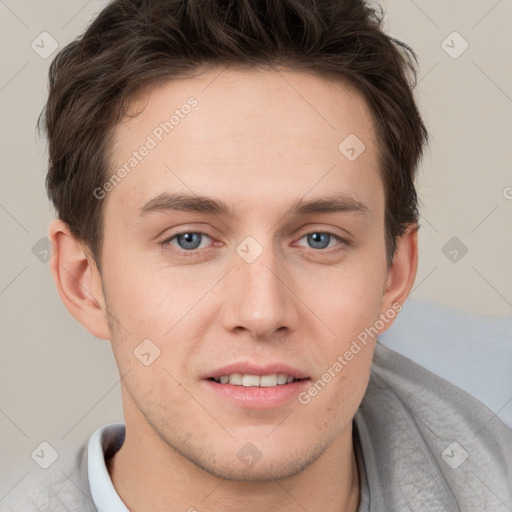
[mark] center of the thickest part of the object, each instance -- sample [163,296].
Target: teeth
[268,380]
[281,378]
[250,380]
[237,379]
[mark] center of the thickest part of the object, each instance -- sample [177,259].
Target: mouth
[252,386]
[248,380]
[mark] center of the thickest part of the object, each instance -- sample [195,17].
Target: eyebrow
[199,203]
[186,203]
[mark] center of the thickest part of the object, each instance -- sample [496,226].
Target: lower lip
[254,397]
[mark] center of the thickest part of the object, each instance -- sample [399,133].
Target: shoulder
[62,487]
[424,438]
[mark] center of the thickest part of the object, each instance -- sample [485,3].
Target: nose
[260,298]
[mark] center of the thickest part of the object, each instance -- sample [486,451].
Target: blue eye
[192,241]
[188,241]
[320,240]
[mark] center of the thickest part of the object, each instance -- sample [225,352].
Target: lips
[248,385]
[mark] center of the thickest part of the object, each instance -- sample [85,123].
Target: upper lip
[248,368]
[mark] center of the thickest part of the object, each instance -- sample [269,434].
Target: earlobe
[78,280]
[401,273]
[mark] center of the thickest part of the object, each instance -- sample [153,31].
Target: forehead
[243,133]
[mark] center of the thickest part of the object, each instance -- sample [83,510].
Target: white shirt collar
[110,437]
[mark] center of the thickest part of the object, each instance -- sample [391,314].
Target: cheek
[150,299]
[349,306]
[347,299]
[158,311]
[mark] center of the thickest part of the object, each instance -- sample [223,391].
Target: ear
[78,280]
[401,274]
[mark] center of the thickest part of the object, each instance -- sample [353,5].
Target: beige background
[59,383]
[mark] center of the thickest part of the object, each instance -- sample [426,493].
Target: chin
[261,471]
[249,464]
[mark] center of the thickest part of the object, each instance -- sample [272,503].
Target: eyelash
[343,243]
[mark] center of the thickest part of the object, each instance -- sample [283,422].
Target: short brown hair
[136,43]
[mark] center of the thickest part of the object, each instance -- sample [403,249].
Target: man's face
[254,289]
